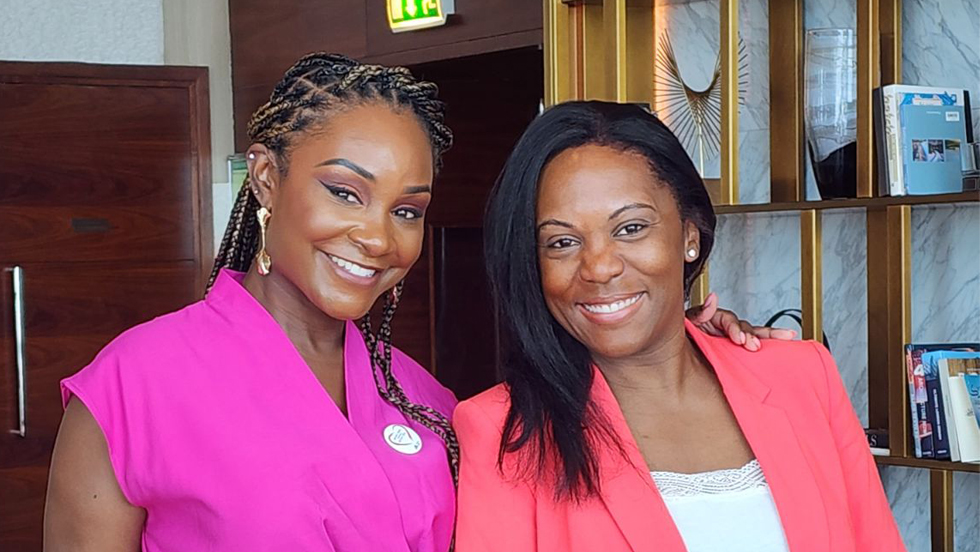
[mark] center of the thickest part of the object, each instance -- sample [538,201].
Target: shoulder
[485,412]
[793,367]
[421,385]
[138,353]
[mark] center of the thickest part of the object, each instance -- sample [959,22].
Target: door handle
[20,347]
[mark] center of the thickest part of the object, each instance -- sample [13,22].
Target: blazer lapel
[628,491]
[775,444]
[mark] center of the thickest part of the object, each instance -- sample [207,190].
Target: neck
[671,366]
[311,331]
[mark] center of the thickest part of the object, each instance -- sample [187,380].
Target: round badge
[403,439]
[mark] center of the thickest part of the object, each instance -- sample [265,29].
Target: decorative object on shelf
[878,441]
[830,110]
[694,115]
[923,137]
[797,315]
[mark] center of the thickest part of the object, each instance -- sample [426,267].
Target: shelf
[962,197]
[925,463]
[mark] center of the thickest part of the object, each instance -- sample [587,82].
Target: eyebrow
[361,171]
[411,190]
[625,208]
[555,222]
[365,174]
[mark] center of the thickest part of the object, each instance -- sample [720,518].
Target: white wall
[196,32]
[97,31]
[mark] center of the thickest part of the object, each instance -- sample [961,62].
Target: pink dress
[218,428]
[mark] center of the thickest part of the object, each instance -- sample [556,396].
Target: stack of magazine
[922,134]
[944,393]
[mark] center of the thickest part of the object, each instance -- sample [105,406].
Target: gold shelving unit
[603,49]
[859,203]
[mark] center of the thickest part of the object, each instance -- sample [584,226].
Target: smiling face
[612,248]
[348,215]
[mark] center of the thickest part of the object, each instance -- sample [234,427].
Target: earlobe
[692,242]
[263,174]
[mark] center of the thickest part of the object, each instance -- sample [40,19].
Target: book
[972,382]
[967,425]
[936,410]
[921,132]
[918,399]
[962,426]
[923,408]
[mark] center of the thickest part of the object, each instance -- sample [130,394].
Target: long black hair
[548,371]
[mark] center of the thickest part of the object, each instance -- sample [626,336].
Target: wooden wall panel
[490,100]
[466,328]
[59,199]
[268,37]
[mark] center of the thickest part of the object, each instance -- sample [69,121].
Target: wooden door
[105,215]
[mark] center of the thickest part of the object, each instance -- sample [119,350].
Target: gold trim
[890,12]
[640,54]
[700,288]
[960,197]
[889,273]
[811,264]
[941,505]
[786,145]
[614,29]
[558,67]
[729,101]
[868,54]
[926,463]
[595,81]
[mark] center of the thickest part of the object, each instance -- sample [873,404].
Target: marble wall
[940,47]
[755,268]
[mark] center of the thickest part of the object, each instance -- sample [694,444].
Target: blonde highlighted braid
[315,87]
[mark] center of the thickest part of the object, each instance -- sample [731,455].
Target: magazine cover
[933,136]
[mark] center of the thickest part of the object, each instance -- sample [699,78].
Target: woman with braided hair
[264,417]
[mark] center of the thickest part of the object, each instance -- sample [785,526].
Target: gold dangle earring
[262,259]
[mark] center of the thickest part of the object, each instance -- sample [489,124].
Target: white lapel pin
[403,439]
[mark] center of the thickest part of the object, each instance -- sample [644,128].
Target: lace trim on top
[747,477]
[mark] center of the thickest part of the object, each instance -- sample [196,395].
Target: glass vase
[830,110]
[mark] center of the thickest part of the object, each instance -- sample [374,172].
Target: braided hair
[317,85]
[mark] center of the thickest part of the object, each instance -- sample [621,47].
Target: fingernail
[741,337]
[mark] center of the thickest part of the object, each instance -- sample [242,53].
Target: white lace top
[725,510]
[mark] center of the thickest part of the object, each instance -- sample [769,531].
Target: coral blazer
[792,407]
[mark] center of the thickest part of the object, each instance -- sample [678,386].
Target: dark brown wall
[490,99]
[266,40]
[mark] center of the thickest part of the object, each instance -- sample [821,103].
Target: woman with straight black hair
[620,425]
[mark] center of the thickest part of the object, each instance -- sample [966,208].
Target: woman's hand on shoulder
[719,322]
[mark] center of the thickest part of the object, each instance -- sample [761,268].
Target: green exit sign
[411,15]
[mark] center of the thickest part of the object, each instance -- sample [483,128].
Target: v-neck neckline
[757,420]
[229,287]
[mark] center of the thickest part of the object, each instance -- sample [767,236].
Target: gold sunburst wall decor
[694,115]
